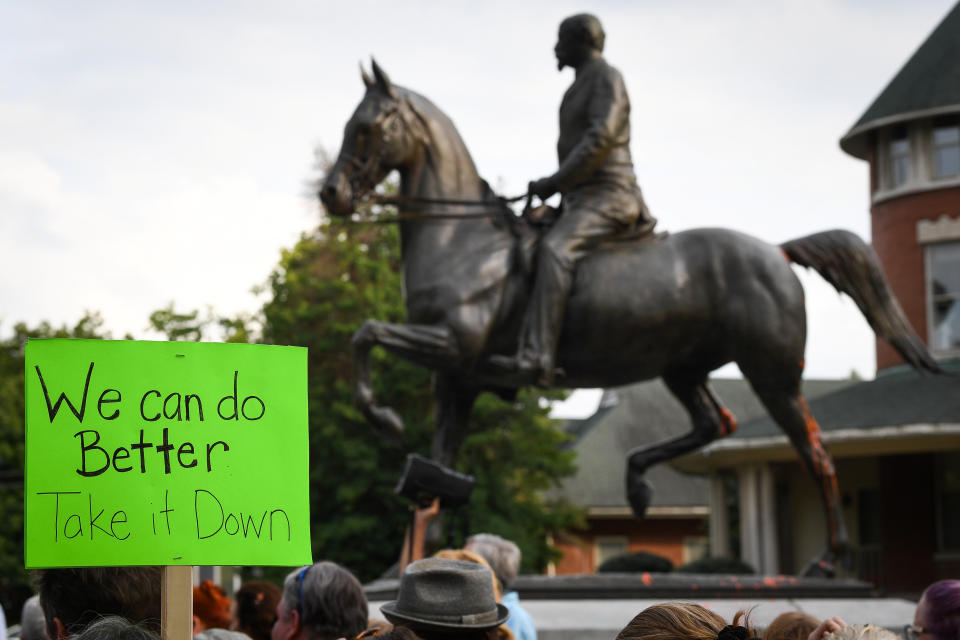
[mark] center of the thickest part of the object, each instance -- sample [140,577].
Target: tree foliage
[14,580]
[197,326]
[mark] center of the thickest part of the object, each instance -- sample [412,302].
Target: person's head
[397,633]
[676,621]
[580,38]
[442,599]
[791,625]
[938,612]
[116,628]
[32,624]
[862,632]
[211,607]
[256,609]
[322,601]
[503,556]
[73,598]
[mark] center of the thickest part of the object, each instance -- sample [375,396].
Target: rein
[411,200]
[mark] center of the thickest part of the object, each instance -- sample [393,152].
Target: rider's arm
[607,114]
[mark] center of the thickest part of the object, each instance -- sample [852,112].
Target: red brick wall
[662,536]
[894,224]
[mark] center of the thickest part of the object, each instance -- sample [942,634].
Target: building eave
[842,443]
[856,141]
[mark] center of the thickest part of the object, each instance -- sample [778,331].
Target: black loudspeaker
[424,479]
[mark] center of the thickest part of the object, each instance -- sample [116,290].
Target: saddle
[540,219]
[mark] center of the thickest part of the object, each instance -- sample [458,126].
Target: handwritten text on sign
[165,453]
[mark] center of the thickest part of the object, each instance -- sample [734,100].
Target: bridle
[497,208]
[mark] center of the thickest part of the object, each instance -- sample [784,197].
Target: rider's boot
[527,367]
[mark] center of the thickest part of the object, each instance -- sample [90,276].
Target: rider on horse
[601,198]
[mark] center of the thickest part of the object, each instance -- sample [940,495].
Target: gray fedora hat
[452,594]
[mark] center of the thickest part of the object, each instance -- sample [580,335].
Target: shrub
[636,563]
[731,566]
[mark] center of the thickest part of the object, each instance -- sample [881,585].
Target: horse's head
[382,135]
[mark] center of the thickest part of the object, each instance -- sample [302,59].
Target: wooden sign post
[176,609]
[166,453]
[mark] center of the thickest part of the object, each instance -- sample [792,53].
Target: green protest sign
[165,453]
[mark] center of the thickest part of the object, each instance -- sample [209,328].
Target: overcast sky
[158,151]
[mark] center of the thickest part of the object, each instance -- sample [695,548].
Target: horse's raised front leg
[433,346]
[710,421]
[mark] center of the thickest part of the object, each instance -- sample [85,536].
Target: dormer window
[920,155]
[899,158]
[943,276]
[946,149]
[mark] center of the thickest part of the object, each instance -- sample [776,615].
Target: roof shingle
[928,84]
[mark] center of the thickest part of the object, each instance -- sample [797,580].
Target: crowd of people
[458,594]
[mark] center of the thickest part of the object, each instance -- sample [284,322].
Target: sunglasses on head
[300,576]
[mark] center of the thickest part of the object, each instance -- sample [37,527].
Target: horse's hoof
[639,493]
[821,567]
[387,419]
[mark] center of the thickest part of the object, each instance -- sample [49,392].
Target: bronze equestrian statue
[676,306]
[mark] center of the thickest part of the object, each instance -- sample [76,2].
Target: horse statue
[676,305]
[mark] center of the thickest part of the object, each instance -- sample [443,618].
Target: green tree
[196,326]
[14,580]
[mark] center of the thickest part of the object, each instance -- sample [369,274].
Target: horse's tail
[852,267]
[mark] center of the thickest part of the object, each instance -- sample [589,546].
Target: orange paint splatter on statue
[822,464]
[785,256]
[770,582]
[646,579]
[728,423]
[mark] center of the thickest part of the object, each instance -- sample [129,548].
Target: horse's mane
[444,144]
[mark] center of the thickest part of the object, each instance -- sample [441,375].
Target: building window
[609,547]
[899,159]
[946,149]
[948,502]
[695,548]
[943,274]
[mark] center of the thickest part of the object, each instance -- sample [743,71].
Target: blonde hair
[862,632]
[673,621]
[678,621]
[792,625]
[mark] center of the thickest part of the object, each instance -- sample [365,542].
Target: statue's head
[380,136]
[581,36]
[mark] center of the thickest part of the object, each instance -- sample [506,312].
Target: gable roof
[927,85]
[645,413]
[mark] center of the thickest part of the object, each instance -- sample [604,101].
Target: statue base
[664,586]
